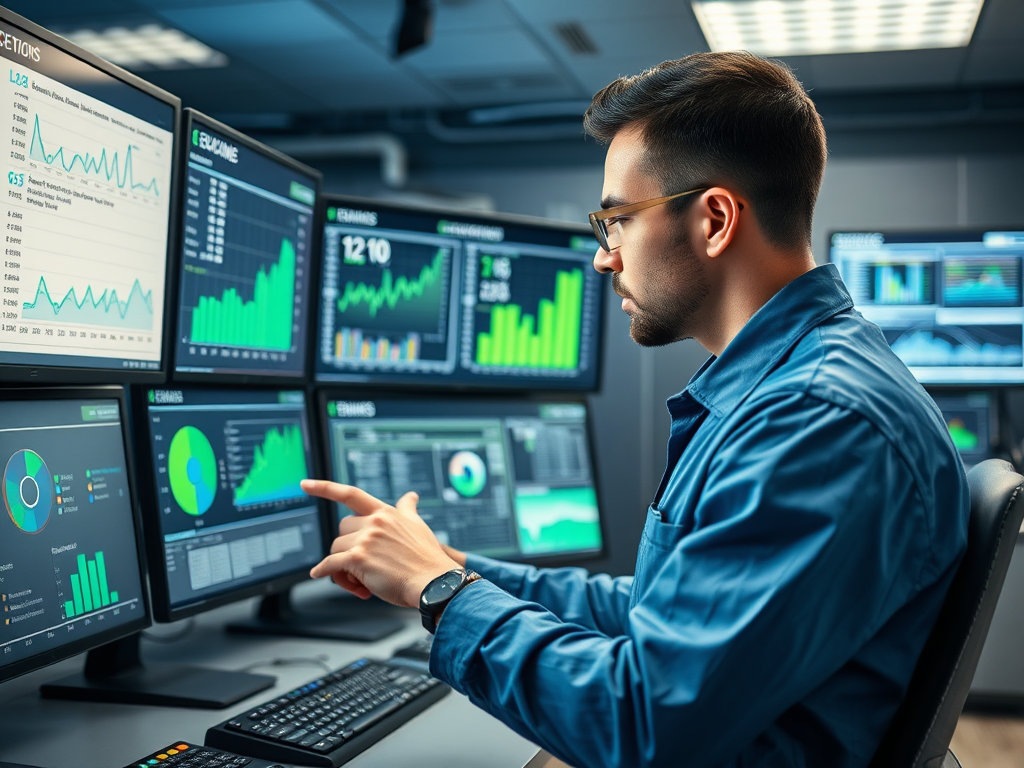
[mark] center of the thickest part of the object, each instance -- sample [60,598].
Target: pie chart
[192,468]
[28,490]
[467,473]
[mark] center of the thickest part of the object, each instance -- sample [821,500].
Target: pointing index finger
[356,499]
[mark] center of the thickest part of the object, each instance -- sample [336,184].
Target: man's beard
[664,319]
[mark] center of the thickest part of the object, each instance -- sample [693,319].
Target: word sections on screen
[412,296]
[89,190]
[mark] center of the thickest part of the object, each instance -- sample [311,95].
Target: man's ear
[719,211]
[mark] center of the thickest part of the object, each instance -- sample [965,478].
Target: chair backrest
[920,732]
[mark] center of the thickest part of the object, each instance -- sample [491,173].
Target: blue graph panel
[989,282]
[107,310]
[959,345]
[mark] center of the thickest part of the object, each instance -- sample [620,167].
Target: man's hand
[381,550]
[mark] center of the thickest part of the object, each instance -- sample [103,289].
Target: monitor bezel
[439,385]
[554,559]
[189,118]
[984,384]
[144,620]
[163,611]
[56,374]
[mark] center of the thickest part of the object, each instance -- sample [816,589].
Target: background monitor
[950,304]
[506,478]
[972,422]
[246,240]
[421,297]
[230,520]
[70,545]
[90,186]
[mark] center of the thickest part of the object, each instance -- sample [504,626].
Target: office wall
[631,424]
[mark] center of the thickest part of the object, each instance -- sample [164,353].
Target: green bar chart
[264,322]
[549,339]
[89,588]
[278,466]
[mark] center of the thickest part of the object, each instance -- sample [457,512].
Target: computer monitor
[227,517]
[246,229]
[90,191]
[972,420]
[71,565]
[949,303]
[507,478]
[436,298]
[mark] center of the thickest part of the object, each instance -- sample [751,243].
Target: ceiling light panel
[148,47]
[811,27]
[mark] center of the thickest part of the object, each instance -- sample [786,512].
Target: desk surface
[59,734]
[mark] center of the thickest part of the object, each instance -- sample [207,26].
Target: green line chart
[107,309]
[393,290]
[115,168]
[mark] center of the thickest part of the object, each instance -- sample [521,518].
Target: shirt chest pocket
[658,540]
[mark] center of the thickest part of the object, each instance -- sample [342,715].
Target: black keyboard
[333,718]
[182,754]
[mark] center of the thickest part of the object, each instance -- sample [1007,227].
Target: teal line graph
[113,169]
[135,313]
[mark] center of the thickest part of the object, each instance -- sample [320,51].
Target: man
[813,510]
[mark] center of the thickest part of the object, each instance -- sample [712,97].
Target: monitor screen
[246,234]
[423,297]
[230,516]
[971,420]
[70,572]
[506,478]
[949,304]
[89,191]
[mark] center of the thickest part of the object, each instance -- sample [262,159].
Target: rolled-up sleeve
[808,536]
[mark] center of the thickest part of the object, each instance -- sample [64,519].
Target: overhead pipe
[394,157]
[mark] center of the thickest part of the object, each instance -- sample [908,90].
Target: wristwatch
[439,592]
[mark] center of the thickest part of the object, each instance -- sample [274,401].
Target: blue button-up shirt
[792,565]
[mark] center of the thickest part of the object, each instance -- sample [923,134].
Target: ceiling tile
[369,92]
[599,10]
[231,89]
[379,18]
[339,60]
[259,23]
[626,47]
[469,52]
[1000,20]
[886,70]
[994,62]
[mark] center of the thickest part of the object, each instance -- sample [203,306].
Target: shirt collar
[722,382]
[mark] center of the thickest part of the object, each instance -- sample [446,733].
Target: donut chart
[467,473]
[28,490]
[192,468]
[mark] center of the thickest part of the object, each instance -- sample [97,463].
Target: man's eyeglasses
[607,223]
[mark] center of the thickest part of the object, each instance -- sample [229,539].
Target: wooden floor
[983,741]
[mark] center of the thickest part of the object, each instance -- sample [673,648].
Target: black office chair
[919,734]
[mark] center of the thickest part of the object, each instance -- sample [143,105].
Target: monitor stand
[277,615]
[114,673]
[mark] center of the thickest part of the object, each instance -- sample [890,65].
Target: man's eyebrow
[611,201]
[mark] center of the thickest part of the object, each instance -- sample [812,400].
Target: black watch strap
[431,609]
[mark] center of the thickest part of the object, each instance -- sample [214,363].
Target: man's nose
[607,261]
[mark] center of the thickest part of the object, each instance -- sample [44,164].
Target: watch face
[443,587]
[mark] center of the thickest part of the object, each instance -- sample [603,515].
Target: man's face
[656,270]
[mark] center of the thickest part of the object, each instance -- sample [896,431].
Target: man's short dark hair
[730,119]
